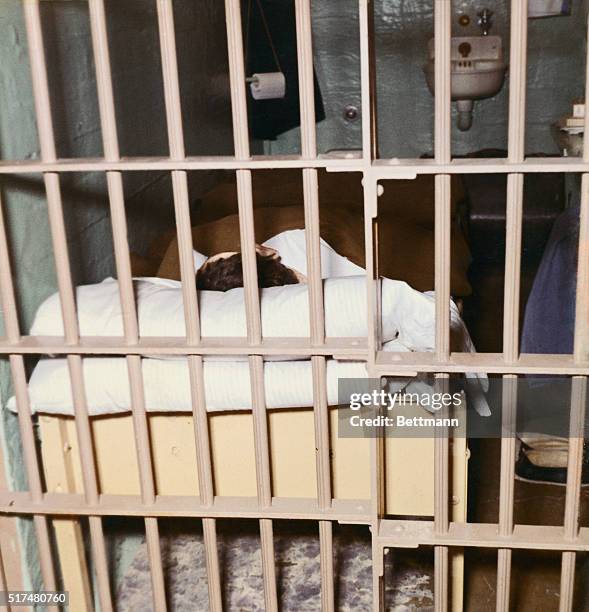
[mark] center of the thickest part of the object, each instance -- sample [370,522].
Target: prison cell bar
[124,274]
[173,106]
[370,190]
[251,292]
[66,293]
[12,330]
[579,384]
[443,168]
[513,229]
[395,168]
[315,293]
[442,154]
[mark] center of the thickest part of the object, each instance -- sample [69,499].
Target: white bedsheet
[288,384]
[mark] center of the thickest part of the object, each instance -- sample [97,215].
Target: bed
[408,319]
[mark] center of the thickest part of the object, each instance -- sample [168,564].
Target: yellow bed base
[409,470]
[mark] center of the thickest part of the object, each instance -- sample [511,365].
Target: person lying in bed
[281,260]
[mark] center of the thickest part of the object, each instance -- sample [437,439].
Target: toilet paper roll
[268,85]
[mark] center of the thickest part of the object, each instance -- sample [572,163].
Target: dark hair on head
[225,274]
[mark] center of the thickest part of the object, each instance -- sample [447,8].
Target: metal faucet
[484,21]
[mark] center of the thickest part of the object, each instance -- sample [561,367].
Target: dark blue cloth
[549,319]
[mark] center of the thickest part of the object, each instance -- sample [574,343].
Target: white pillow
[292,248]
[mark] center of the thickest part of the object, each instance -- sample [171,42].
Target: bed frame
[409,490]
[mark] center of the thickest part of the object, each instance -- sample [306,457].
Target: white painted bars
[510,362]
[442,149]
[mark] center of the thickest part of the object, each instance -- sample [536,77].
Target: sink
[478,71]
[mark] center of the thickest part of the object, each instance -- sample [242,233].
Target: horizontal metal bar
[352,511]
[407,364]
[388,168]
[410,534]
[350,349]
[387,364]
[348,161]
[344,348]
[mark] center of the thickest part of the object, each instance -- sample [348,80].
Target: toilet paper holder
[265,85]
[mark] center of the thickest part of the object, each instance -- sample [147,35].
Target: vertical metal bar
[579,384]
[317,315]
[372,285]
[237,79]
[146,479]
[100,563]
[7,293]
[324,491]
[513,230]
[11,325]
[516,152]
[263,478]
[442,146]
[517,81]
[86,449]
[212,563]
[155,564]
[39,80]
[442,150]
[165,11]
[264,486]
[173,105]
[573,488]
[110,145]
[205,478]
[244,178]
[32,468]
[64,278]
[306,85]
[506,488]
[248,254]
[312,235]
[48,154]
[441,501]
[514,209]
[443,225]
[365,15]
[127,297]
[310,181]
[442,51]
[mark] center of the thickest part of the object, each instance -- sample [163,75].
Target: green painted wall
[556,74]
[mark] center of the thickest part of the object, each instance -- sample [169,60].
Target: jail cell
[89,467]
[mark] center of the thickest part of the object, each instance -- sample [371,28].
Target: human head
[224,271]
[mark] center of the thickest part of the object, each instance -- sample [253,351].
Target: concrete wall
[134,42]
[405,106]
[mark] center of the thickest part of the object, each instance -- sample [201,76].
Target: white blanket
[406,314]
